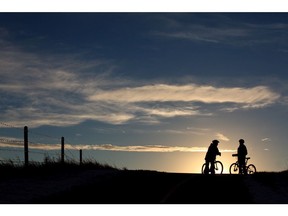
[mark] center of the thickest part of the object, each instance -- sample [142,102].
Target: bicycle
[217,165]
[234,167]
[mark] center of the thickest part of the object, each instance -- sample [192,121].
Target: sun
[195,163]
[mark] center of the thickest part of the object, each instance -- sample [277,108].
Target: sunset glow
[145,90]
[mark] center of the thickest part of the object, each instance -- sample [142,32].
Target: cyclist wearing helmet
[211,156]
[242,152]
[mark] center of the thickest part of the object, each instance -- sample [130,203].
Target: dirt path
[144,187]
[158,188]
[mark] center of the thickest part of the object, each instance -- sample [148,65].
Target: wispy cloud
[226,30]
[150,148]
[266,139]
[109,147]
[40,89]
[150,131]
[206,34]
[222,137]
[56,97]
[188,93]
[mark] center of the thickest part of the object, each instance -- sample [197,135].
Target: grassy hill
[70,184]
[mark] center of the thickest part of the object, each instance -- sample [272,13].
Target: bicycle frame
[250,169]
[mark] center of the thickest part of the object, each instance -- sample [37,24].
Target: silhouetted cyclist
[210,157]
[241,153]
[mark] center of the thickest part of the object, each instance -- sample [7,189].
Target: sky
[145,90]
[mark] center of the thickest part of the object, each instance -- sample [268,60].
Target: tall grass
[48,166]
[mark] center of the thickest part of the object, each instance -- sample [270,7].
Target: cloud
[110,147]
[266,139]
[40,89]
[150,148]
[222,137]
[259,95]
[67,98]
[206,34]
[219,29]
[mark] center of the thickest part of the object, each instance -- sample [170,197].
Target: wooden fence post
[62,149]
[80,156]
[26,146]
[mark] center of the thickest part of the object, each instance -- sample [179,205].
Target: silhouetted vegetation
[48,166]
[55,182]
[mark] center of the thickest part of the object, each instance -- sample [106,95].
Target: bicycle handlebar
[236,155]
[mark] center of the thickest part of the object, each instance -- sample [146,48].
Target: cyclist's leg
[240,168]
[241,162]
[244,169]
[206,170]
[212,167]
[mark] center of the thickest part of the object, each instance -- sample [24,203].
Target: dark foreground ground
[143,187]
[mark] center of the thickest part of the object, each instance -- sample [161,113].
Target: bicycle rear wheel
[251,169]
[234,169]
[218,167]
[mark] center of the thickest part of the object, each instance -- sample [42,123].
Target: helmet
[241,141]
[215,141]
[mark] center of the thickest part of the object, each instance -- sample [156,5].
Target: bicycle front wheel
[218,167]
[203,168]
[251,169]
[234,169]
